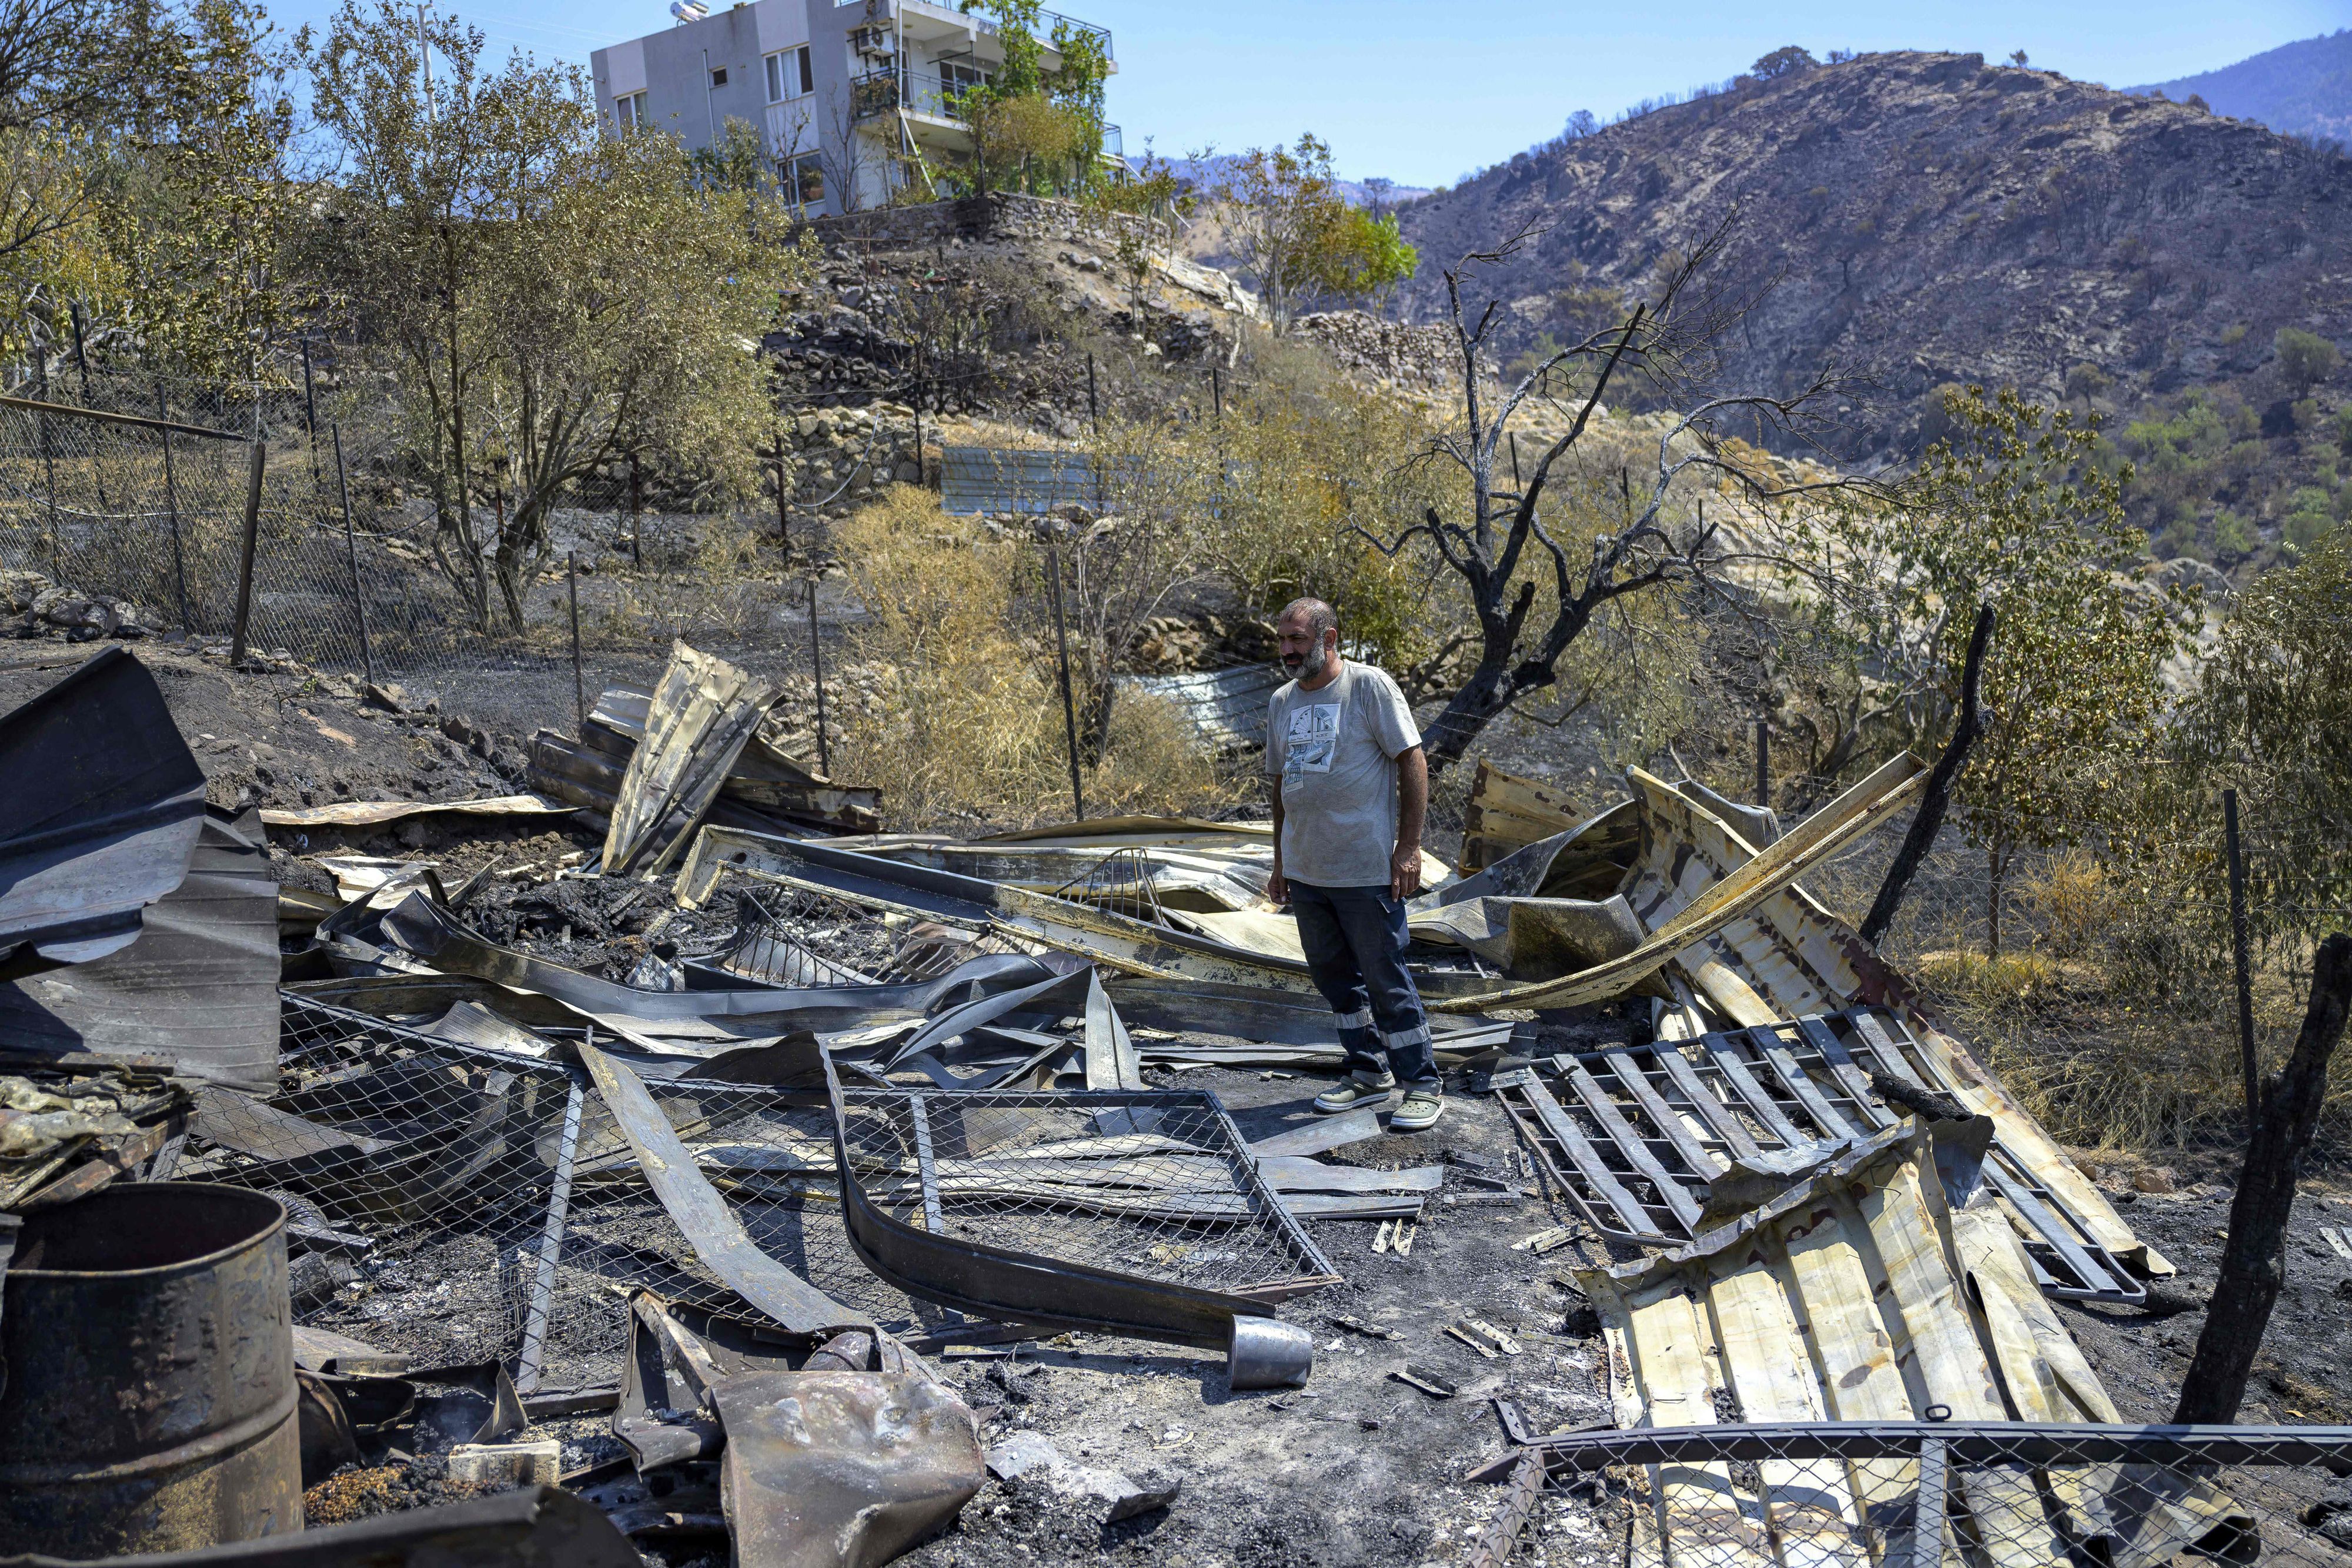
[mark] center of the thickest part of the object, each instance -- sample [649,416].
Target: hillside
[2304,87]
[1929,219]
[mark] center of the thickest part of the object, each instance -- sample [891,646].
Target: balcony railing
[885,91]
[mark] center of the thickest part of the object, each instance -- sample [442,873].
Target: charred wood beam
[1930,817]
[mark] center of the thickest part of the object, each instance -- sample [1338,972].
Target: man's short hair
[1321,617]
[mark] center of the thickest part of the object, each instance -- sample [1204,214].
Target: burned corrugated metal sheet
[1641,1135]
[1014,479]
[1226,708]
[1711,900]
[1862,1293]
[101,802]
[702,714]
[197,988]
[1784,956]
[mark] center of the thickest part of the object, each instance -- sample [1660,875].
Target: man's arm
[1412,810]
[1278,886]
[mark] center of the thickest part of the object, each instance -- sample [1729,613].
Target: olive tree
[545,295]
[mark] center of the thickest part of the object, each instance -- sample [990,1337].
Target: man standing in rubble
[1351,789]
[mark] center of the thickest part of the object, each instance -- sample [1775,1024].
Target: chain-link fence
[132,487]
[2012,1494]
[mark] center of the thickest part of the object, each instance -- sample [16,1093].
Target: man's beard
[1307,665]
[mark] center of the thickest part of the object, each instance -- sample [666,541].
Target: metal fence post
[1094,410]
[579,686]
[1763,763]
[311,421]
[351,553]
[551,1246]
[245,554]
[1927,1511]
[816,657]
[1069,704]
[637,515]
[171,510]
[49,471]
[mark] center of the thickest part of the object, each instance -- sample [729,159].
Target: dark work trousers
[1355,939]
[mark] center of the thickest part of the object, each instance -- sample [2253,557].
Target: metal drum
[149,1349]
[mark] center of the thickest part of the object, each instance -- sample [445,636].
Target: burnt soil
[1358,1467]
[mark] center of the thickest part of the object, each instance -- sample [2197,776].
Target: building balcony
[935,104]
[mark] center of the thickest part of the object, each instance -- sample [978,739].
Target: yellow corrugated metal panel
[1787,958]
[1843,1299]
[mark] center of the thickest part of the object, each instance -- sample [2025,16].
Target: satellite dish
[688,10]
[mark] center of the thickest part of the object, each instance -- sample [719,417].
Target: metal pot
[150,1402]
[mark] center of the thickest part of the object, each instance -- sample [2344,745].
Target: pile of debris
[647,1182]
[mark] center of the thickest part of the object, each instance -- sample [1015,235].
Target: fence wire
[422,1176]
[352,573]
[1990,1495]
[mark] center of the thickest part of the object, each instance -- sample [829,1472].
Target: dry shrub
[2072,900]
[965,726]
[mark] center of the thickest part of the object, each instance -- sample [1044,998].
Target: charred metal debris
[709,1134]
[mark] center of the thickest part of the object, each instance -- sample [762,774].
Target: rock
[18,590]
[538,1463]
[1033,1456]
[2153,1178]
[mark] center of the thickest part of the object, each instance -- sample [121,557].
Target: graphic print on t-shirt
[1314,735]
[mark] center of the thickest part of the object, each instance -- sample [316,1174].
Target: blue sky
[1424,91]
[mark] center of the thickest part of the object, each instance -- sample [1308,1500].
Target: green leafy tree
[2272,717]
[1362,256]
[2010,510]
[1038,128]
[2304,359]
[543,295]
[1295,234]
[1785,61]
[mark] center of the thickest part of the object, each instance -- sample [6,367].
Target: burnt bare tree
[1506,548]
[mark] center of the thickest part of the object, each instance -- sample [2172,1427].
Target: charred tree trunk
[2253,1264]
[1930,819]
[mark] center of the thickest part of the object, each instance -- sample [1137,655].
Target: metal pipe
[579,686]
[816,657]
[259,454]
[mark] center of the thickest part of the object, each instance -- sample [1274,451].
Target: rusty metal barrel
[150,1403]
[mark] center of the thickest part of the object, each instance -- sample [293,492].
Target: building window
[719,77]
[804,178]
[629,112]
[789,74]
[958,78]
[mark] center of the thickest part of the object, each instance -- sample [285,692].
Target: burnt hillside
[1932,219]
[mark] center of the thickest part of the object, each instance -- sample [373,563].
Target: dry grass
[964,726]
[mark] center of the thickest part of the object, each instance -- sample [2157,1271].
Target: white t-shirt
[1335,750]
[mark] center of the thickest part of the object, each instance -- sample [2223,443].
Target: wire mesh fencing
[2015,1495]
[1157,1186]
[457,1202]
[126,487]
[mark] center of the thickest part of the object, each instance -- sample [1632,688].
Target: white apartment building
[852,100]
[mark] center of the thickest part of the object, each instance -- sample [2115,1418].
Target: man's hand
[1278,886]
[1405,871]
